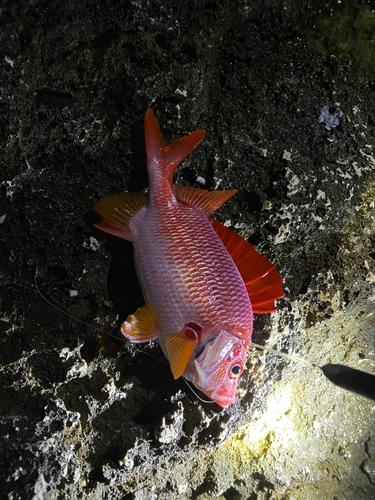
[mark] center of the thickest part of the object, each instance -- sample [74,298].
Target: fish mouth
[223,400]
[220,394]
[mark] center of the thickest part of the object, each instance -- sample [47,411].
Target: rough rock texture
[84,415]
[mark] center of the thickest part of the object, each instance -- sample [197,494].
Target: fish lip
[223,400]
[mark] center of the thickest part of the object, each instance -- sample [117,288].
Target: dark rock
[82,413]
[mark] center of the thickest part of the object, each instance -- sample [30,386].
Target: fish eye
[236,370]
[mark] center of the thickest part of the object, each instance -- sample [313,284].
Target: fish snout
[219,366]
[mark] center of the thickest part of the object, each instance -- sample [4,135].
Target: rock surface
[84,415]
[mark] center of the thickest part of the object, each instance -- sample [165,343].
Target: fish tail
[163,158]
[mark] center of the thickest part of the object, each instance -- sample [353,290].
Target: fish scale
[201,296]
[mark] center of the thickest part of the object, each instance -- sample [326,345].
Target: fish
[201,281]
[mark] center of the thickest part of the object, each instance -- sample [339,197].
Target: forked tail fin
[163,158]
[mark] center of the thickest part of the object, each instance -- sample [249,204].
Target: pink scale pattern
[186,273]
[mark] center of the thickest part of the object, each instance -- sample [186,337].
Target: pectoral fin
[140,326]
[179,348]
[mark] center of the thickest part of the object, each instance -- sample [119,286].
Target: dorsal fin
[262,281]
[117,211]
[208,201]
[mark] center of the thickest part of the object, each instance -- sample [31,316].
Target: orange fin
[167,155]
[208,201]
[117,211]
[262,281]
[180,346]
[140,326]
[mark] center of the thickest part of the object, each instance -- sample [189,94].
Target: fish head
[216,369]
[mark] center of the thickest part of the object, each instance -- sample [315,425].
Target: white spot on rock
[92,243]
[287,156]
[9,61]
[181,92]
[171,426]
[293,185]
[267,205]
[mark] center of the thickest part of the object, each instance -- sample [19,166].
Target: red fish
[201,281]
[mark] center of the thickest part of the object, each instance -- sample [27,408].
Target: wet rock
[84,414]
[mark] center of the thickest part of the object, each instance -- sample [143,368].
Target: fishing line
[193,391]
[50,303]
[22,286]
[65,313]
[58,308]
[37,290]
[284,355]
[350,379]
[345,377]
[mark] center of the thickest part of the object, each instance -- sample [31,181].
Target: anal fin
[262,281]
[140,326]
